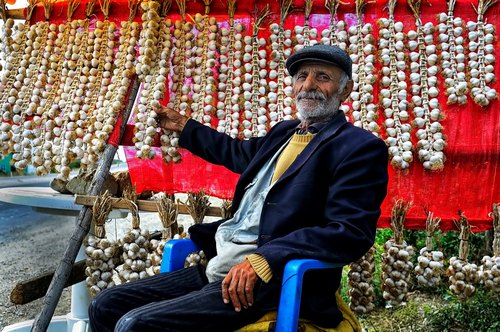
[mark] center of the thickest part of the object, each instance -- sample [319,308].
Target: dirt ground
[40,247]
[26,252]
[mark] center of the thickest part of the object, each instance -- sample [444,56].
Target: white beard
[320,110]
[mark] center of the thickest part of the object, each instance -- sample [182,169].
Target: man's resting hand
[237,286]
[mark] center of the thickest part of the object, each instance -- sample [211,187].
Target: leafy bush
[480,313]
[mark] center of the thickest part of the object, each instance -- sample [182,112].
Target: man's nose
[310,83]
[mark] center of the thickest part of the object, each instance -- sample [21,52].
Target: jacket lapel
[327,132]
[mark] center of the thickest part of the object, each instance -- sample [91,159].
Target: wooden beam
[143,205]
[16,14]
[35,288]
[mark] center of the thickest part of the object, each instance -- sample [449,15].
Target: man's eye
[323,78]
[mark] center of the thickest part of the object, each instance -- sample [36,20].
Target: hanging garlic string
[49,112]
[307,12]
[362,45]
[430,263]
[482,62]
[228,101]
[393,92]
[256,76]
[286,6]
[462,275]
[102,254]
[489,271]
[73,96]
[336,33]
[396,259]
[425,92]
[203,101]
[453,55]
[24,135]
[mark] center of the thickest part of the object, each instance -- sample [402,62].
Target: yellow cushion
[349,324]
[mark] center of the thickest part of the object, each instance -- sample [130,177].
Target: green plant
[479,314]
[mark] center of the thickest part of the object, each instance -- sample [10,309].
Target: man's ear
[347,90]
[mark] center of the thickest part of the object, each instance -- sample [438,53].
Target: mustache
[311,95]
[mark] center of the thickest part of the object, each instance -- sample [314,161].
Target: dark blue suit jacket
[325,206]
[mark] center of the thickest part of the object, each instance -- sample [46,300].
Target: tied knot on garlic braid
[197,205]
[168,212]
[398,216]
[463,225]
[495,214]
[100,211]
[431,225]
[130,198]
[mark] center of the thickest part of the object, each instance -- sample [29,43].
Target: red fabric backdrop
[469,181]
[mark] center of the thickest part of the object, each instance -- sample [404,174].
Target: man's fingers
[241,289]
[225,288]
[233,289]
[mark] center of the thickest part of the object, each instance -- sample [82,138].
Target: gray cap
[332,55]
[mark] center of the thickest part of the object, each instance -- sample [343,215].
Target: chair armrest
[291,291]
[175,253]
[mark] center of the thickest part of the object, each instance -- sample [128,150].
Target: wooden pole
[61,276]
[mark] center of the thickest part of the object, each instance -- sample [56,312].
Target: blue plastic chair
[176,251]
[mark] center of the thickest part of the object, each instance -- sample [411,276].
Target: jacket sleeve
[218,148]
[355,192]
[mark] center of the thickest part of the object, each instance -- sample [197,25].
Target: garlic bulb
[489,273]
[362,52]
[280,105]
[195,258]
[481,37]
[135,245]
[103,255]
[393,92]
[430,267]
[427,110]
[231,80]
[430,263]
[396,272]
[453,56]
[462,277]
[360,276]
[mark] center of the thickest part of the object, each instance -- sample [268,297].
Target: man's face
[318,91]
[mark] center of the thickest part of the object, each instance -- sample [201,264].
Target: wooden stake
[61,276]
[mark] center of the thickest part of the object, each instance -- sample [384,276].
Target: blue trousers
[182,300]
